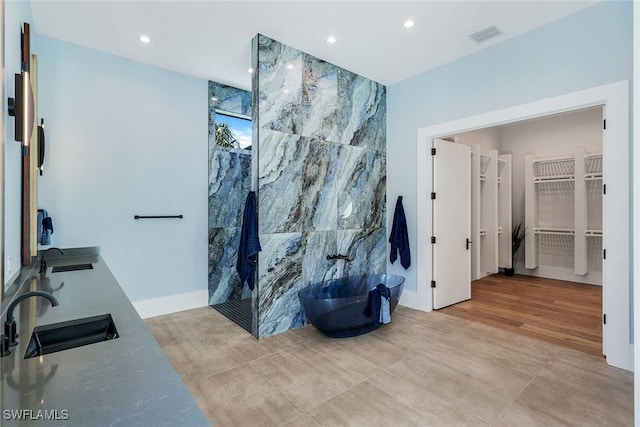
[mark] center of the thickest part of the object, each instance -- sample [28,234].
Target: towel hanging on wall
[399,238]
[45,227]
[249,243]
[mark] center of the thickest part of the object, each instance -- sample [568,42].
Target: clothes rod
[157,216]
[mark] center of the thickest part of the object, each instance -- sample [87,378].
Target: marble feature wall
[229,184]
[320,135]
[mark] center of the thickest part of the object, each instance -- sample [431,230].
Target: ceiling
[212,39]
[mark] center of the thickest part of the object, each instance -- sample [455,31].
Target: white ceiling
[212,39]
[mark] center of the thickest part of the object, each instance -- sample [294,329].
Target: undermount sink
[73,267]
[70,334]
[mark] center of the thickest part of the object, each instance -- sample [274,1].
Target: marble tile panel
[361,188]
[318,105]
[362,111]
[280,279]
[243,397]
[229,184]
[318,195]
[316,267]
[229,98]
[280,70]
[366,249]
[224,281]
[280,165]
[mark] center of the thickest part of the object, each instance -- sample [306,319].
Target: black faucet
[339,256]
[10,329]
[43,262]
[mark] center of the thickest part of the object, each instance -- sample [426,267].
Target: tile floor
[423,369]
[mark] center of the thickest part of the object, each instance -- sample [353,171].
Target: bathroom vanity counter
[126,381]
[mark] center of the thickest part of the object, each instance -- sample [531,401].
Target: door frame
[614,98]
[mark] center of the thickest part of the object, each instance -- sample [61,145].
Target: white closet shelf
[593,233]
[557,231]
[593,176]
[555,159]
[554,178]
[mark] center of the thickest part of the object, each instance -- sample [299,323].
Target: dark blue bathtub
[336,307]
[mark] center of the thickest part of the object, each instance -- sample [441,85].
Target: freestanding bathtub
[336,307]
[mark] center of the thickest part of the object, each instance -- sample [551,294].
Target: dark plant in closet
[517,237]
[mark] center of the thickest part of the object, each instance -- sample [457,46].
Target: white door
[451,227]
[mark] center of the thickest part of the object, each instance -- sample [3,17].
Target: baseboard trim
[171,304]
[410,299]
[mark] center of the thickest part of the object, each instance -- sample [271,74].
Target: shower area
[229,184]
[318,165]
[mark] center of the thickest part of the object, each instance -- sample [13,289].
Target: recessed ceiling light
[331,40]
[145,39]
[250,70]
[214,99]
[409,24]
[290,67]
[286,91]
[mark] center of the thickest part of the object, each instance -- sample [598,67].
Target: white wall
[487,139]
[126,138]
[15,13]
[558,58]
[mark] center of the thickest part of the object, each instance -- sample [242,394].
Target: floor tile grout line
[512,400]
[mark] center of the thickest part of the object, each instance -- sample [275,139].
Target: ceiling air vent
[486,34]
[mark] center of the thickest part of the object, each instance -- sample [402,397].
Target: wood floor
[564,313]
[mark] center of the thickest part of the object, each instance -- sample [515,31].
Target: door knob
[468,243]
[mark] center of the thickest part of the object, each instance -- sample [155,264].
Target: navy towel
[399,238]
[249,243]
[45,227]
[374,303]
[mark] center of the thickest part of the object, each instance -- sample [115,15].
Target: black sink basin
[73,333]
[74,267]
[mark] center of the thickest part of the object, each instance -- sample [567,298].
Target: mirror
[23,108]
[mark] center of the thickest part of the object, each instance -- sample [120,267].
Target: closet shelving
[504,211]
[563,209]
[484,215]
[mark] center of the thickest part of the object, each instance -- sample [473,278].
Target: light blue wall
[15,13]
[126,138]
[589,48]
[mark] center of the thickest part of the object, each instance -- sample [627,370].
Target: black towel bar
[157,216]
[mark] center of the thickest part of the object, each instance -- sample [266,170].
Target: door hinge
[604,254]
[433,239]
[604,124]
[604,319]
[604,188]
[433,283]
[433,151]
[433,196]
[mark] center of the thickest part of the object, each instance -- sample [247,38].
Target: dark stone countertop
[127,381]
